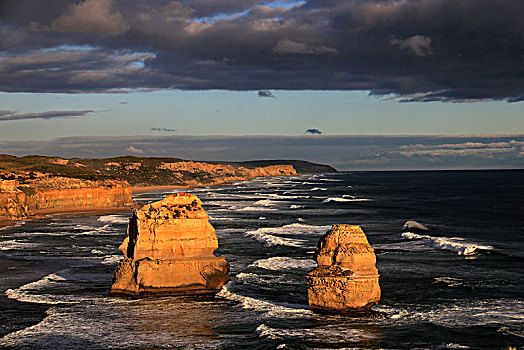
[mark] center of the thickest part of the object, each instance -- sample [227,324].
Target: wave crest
[453,244]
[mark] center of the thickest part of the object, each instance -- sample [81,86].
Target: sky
[443,79]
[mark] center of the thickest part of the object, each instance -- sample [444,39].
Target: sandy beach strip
[143,189]
[78,211]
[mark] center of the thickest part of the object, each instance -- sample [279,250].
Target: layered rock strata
[169,250]
[23,199]
[346,279]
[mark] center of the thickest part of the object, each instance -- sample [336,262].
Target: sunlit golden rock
[169,250]
[346,279]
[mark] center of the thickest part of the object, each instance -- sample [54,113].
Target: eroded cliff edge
[35,184]
[169,250]
[28,195]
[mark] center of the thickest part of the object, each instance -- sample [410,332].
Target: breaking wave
[343,199]
[284,263]
[114,219]
[453,244]
[267,235]
[270,240]
[266,203]
[330,334]
[269,309]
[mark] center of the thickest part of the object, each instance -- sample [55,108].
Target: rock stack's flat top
[346,278]
[169,250]
[175,227]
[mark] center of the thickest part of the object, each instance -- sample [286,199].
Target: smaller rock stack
[346,279]
[169,250]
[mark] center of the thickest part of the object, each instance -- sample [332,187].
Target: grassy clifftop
[150,171]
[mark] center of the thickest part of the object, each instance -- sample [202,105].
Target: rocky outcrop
[23,198]
[169,250]
[346,279]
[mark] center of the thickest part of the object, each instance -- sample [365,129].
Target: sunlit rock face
[346,279]
[169,250]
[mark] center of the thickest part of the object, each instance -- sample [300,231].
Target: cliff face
[24,197]
[169,250]
[300,166]
[346,279]
[36,183]
[216,174]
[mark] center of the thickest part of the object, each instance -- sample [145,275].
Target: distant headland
[34,186]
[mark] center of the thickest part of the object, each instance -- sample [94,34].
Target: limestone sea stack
[169,251]
[346,279]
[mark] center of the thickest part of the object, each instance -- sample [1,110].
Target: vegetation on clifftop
[146,171]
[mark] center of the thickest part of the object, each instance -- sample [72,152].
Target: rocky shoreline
[33,187]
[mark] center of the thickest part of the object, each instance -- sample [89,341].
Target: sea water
[458,285]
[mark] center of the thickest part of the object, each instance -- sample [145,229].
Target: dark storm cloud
[163,129]
[419,50]
[342,152]
[265,93]
[12,115]
[313,132]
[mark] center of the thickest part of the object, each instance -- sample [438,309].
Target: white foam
[453,244]
[269,309]
[112,259]
[16,224]
[294,206]
[16,245]
[266,203]
[249,208]
[114,219]
[284,263]
[343,200]
[450,281]
[97,230]
[296,229]
[270,240]
[469,313]
[223,218]
[267,234]
[274,195]
[23,293]
[83,227]
[326,334]
[319,189]
[38,291]
[452,346]
[253,278]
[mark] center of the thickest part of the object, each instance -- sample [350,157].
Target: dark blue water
[458,285]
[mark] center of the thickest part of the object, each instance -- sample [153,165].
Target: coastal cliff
[169,250]
[28,195]
[346,279]
[34,185]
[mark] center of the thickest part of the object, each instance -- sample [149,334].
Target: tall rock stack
[346,279]
[169,250]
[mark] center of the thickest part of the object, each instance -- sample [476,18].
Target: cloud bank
[419,50]
[342,152]
[12,115]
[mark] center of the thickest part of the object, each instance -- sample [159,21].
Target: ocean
[456,286]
